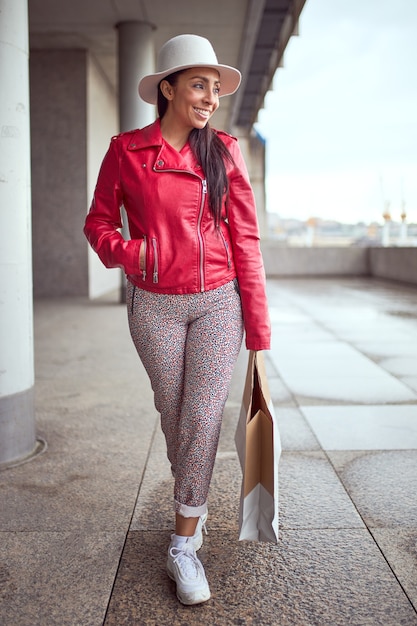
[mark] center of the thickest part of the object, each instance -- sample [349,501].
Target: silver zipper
[200,216]
[155,260]
[145,255]
[226,246]
[200,238]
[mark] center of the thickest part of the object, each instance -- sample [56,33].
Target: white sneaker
[187,571]
[198,535]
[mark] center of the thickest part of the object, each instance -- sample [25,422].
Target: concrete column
[17,419]
[253,150]
[136,59]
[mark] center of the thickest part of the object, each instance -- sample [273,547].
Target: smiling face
[193,98]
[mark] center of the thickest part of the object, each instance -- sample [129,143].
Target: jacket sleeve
[103,222]
[244,231]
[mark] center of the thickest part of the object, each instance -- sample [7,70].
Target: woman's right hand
[142,259]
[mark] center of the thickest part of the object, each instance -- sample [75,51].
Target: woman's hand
[142,259]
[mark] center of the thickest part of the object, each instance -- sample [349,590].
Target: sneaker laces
[186,560]
[203,519]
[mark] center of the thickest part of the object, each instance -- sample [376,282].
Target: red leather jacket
[164,193]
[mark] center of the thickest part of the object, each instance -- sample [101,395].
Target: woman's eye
[216,90]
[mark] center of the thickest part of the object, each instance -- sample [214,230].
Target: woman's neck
[175,136]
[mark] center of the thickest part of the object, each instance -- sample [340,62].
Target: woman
[194,269]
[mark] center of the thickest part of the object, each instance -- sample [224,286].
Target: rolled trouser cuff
[190,511]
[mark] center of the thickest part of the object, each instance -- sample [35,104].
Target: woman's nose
[209,97]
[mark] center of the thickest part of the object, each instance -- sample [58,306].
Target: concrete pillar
[136,59]
[17,419]
[253,150]
[58,108]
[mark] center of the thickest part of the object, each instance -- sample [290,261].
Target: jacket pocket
[143,257]
[155,273]
[149,258]
[226,247]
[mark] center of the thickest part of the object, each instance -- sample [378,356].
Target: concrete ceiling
[248,34]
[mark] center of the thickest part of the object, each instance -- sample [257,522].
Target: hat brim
[230,79]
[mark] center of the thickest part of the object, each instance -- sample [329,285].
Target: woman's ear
[167,89]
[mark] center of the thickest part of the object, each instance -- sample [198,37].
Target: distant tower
[311,228]
[386,215]
[403,231]
[387,224]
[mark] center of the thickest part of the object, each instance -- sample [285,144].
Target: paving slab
[373,331]
[381,388]
[381,484]
[410,381]
[57,578]
[331,370]
[389,427]
[319,578]
[90,474]
[401,365]
[311,494]
[389,347]
[328,360]
[399,547]
[295,432]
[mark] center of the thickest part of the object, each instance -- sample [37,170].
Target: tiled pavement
[84,527]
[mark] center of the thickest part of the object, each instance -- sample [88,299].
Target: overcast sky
[341,122]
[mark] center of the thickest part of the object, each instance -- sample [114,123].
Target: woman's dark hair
[211,153]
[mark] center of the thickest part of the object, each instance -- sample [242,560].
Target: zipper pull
[144,244]
[204,186]
[229,262]
[155,260]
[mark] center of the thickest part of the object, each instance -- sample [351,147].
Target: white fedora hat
[181,53]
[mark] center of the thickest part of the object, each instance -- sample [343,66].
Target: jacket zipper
[200,217]
[145,255]
[155,260]
[200,238]
[226,246]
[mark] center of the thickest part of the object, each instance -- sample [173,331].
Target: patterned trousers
[188,345]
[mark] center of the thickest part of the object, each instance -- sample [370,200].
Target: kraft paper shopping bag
[259,448]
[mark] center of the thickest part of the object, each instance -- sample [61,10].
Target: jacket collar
[166,157]
[146,137]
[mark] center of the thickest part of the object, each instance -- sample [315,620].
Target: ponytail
[212,153]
